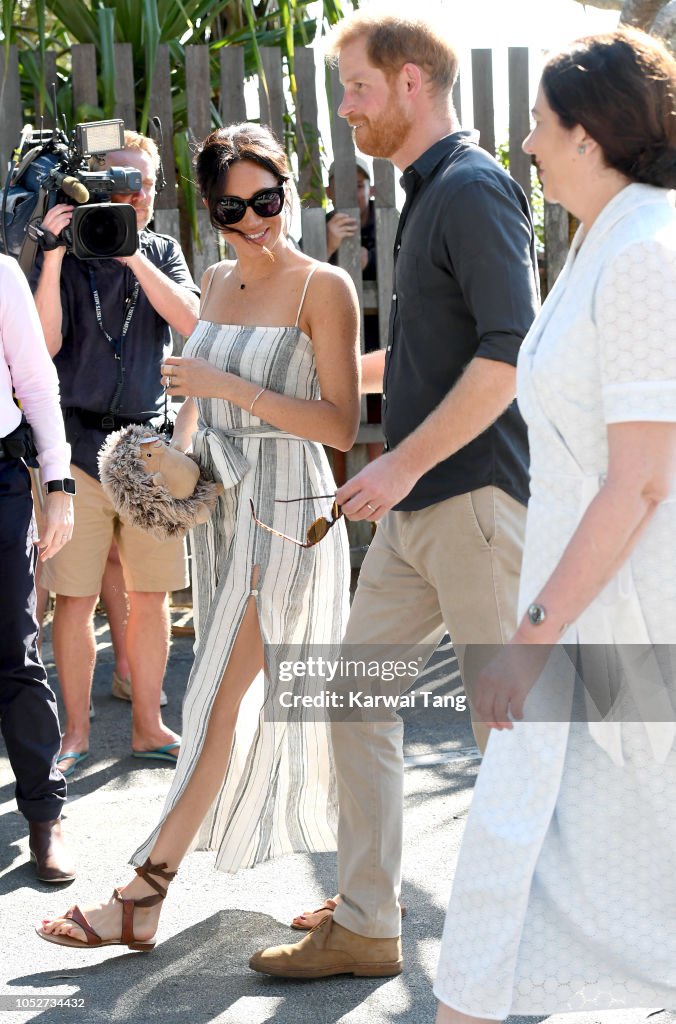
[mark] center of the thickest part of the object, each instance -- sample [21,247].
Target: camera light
[100,136]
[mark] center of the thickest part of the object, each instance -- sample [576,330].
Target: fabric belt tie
[214,446]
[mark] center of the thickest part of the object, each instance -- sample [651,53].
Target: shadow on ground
[200,973]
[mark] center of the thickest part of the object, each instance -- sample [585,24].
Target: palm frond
[79,21]
[183,157]
[258,60]
[151,39]
[53,26]
[8,23]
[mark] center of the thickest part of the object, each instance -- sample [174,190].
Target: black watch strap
[67,485]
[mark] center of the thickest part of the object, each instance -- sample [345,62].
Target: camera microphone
[73,188]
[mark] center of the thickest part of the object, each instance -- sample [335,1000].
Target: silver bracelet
[256,399]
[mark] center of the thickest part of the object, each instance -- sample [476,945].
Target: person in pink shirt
[28,715]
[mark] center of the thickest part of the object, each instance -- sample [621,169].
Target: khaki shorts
[149,565]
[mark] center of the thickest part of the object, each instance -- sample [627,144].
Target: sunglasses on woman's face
[266,203]
[315,532]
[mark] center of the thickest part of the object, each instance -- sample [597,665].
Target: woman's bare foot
[445,1015]
[106,918]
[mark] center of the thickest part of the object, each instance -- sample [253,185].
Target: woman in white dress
[271,373]
[564,896]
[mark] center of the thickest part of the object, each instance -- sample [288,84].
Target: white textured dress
[564,896]
[279,793]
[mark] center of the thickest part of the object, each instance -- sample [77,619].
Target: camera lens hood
[102,230]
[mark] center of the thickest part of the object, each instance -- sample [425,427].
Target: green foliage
[42,27]
[537,200]
[183,157]
[55,25]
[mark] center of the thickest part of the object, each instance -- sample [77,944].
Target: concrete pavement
[212,922]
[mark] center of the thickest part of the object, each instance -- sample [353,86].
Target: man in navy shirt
[107,325]
[449,492]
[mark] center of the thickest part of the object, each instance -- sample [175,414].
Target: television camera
[50,168]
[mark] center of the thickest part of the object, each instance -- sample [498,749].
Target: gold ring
[368,505]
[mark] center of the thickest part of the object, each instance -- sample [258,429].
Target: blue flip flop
[78,757]
[159,753]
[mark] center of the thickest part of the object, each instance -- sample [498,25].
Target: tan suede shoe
[331,949]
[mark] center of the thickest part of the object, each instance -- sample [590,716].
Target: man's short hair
[141,143]
[393,40]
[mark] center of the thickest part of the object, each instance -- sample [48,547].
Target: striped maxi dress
[278,796]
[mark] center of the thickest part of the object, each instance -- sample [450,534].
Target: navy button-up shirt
[89,372]
[465,285]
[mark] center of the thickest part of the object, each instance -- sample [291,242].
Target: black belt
[19,443]
[106,421]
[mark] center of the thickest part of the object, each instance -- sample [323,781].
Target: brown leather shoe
[49,853]
[331,949]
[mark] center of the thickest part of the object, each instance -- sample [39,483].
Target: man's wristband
[67,485]
[45,238]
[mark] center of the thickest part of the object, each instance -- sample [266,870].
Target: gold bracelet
[256,399]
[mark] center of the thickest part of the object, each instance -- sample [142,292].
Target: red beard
[384,136]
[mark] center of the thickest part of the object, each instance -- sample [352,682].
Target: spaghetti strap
[302,298]
[203,299]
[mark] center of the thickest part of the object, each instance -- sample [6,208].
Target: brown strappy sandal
[93,939]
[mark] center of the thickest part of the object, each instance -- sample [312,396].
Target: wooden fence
[230,103]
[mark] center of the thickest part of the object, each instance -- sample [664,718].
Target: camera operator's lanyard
[117,343]
[130,305]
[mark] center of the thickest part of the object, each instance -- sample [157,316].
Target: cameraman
[107,327]
[28,715]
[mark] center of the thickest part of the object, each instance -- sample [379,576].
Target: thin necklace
[242,285]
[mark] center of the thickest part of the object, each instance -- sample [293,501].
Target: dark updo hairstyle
[621,87]
[229,145]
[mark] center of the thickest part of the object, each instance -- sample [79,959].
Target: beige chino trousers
[452,566]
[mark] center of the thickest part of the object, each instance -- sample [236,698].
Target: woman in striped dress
[270,374]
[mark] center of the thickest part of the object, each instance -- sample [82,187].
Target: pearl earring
[582,149]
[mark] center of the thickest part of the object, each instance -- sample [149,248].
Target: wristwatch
[67,485]
[536,614]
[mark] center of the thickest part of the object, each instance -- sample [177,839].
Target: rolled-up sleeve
[174,266]
[29,369]
[489,242]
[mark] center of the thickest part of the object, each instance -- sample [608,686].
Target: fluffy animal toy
[155,487]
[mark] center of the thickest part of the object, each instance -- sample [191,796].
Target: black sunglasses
[315,532]
[266,203]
